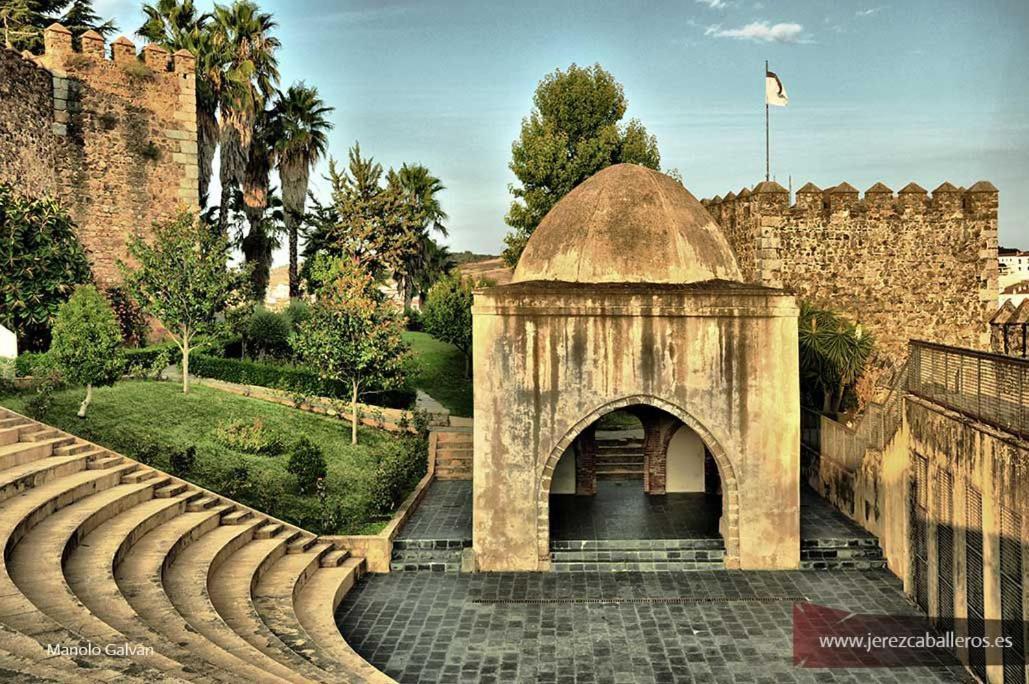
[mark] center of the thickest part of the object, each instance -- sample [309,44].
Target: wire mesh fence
[991,388]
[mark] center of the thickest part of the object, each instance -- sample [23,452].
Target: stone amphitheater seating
[189,586]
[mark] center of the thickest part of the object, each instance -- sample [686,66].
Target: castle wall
[905,266]
[113,139]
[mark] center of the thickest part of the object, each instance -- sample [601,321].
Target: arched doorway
[685,488]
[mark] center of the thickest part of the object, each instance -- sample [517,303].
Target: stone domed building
[628,297]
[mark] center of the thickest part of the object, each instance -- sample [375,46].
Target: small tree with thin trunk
[448,315]
[87,342]
[183,280]
[353,334]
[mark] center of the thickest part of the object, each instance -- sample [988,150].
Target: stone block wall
[113,139]
[906,265]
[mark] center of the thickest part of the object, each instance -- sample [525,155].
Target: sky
[914,90]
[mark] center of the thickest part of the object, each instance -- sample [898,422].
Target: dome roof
[628,224]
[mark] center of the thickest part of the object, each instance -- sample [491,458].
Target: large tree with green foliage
[353,335]
[573,131]
[447,314]
[421,191]
[833,354]
[41,262]
[87,342]
[183,280]
[302,140]
[373,224]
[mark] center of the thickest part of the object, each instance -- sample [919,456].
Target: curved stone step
[274,599]
[17,518]
[186,584]
[35,565]
[25,476]
[230,586]
[58,667]
[316,606]
[18,453]
[139,578]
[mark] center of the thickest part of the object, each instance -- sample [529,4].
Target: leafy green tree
[183,280]
[572,132]
[87,342]
[833,355]
[374,225]
[447,315]
[353,335]
[41,262]
[301,142]
[437,261]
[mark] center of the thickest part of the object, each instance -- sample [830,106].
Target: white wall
[685,462]
[564,473]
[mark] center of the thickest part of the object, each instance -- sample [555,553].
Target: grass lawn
[134,415]
[440,372]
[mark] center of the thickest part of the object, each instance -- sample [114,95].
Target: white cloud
[868,12]
[761,32]
[714,4]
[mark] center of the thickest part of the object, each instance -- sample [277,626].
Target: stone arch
[726,471]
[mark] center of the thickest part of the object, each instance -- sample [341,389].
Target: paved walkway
[620,511]
[717,626]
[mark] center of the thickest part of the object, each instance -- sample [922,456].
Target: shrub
[149,362]
[131,319]
[448,315]
[28,363]
[267,334]
[87,342]
[182,461]
[307,464]
[249,436]
[414,320]
[398,473]
[43,262]
[296,380]
[237,484]
[296,313]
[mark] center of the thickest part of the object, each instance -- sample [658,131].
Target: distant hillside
[486,267]
[461,258]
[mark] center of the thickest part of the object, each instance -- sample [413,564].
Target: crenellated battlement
[908,264]
[58,49]
[768,198]
[109,130]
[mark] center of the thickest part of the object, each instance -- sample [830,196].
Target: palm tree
[437,262]
[421,189]
[177,25]
[301,142]
[833,354]
[250,75]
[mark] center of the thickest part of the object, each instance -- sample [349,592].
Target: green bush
[414,320]
[182,461]
[307,464]
[249,436]
[398,473]
[293,379]
[267,334]
[28,363]
[296,313]
[43,262]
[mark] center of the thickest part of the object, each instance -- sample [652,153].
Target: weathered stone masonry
[906,266]
[114,139]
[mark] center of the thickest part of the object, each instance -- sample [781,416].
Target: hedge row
[289,378]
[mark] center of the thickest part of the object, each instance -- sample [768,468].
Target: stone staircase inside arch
[619,457]
[115,571]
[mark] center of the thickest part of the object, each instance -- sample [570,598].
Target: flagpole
[768,165]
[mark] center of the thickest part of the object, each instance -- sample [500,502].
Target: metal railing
[990,388]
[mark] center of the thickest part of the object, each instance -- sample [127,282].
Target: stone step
[316,607]
[17,453]
[274,598]
[638,556]
[617,566]
[870,564]
[202,504]
[237,517]
[620,473]
[22,477]
[186,586]
[229,587]
[170,490]
[35,566]
[450,566]
[335,558]
[452,438]
[635,544]
[430,544]
[74,448]
[268,531]
[106,462]
[842,553]
[302,545]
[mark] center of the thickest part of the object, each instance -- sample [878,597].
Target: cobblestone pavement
[444,513]
[725,626]
[622,510]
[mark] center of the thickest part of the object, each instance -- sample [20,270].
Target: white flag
[775,93]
